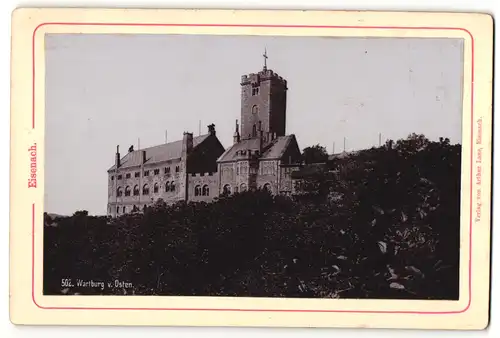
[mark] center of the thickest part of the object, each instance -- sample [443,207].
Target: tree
[380,223]
[315,154]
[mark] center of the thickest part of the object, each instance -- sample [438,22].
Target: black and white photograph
[252,166]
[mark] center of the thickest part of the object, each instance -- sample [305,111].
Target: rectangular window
[146,172]
[119,177]
[255,91]
[157,171]
[137,174]
[112,178]
[127,176]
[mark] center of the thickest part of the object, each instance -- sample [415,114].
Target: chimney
[144,156]
[117,158]
[187,143]
[211,129]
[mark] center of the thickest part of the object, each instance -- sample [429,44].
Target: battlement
[263,75]
[202,174]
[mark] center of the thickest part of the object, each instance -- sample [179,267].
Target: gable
[204,157]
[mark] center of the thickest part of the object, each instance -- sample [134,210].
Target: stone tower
[263,104]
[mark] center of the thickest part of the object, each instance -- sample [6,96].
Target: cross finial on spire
[265,58]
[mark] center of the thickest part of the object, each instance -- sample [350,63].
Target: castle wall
[227,175]
[203,187]
[286,184]
[268,174]
[236,175]
[151,175]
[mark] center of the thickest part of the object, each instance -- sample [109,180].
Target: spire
[265,58]
[236,137]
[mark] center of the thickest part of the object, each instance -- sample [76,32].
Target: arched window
[172,186]
[177,169]
[206,190]
[124,209]
[117,210]
[227,189]
[243,187]
[255,109]
[145,189]
[119,192]
[167,186]
[136,190]
[127,191]
[155,188]
[267,187]
[236,189]
[197,190]
[254,130]
[134,209]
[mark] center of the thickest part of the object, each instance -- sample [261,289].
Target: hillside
[381,223]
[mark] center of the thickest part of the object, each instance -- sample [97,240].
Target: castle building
[198,168]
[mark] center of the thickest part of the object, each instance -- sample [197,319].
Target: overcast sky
[108,90]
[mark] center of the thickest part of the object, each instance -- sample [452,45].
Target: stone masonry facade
[199,169]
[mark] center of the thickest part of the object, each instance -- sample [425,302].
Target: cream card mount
[250,168]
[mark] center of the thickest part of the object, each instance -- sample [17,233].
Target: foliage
[385,225]
[315,154]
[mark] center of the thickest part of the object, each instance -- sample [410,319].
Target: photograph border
[469,294]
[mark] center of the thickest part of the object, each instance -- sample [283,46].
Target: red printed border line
[259,26]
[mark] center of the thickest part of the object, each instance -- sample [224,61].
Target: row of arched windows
[124,210]
[201,191]
[166,170]
[169,186]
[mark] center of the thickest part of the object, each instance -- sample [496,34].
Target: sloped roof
[159,153]
[343,154]
[275,151]
[279,147]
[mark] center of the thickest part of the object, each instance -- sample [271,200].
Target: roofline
[159,145]
[145,164]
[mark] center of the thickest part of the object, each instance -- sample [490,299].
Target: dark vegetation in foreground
[385,224]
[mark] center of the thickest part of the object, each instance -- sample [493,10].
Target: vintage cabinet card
[251,168]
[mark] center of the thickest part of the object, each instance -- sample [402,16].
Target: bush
[386,225]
